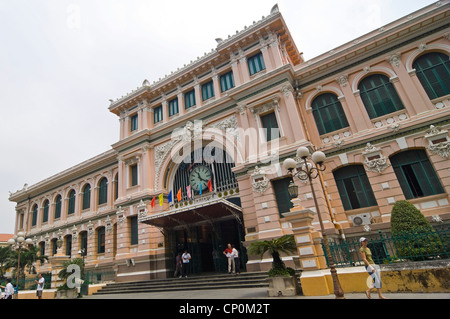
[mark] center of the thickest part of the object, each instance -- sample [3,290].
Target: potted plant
[73,273]
[282,280]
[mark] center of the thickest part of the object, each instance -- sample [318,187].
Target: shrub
[414,237]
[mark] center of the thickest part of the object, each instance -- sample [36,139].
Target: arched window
[86,197]
[354,187]
[58,207]
[328,113]
[71,208]
[103,191]
[379,95]
[46,208]
[433,72]
[34,215]
[415,174]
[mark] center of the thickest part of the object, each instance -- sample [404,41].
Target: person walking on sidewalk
[366,255]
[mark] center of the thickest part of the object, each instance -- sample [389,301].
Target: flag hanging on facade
[153,201]
[161,199]
[188,189]
[170,197]
[210,185]
[179,195]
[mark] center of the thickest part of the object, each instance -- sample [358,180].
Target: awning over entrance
[193,214]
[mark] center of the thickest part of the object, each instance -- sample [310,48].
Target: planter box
[283,286]
[66,294]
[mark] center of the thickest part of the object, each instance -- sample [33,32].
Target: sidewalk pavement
[255,293]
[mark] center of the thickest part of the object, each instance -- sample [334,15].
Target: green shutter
[433,72]
[134,233]
[328,113]
[134,175]
[101,240]
[280,189]
[189,99]
[207,90]
[157,114]
[71,208]
[45,215]
[226,81]
[58,207]
[354,187]
[87,197]
[103,191]
[270,126]
[379,96]
[173,107]
[415,174]
[35,213]
[134,123]
[256,63]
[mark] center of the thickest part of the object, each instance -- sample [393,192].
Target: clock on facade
[200,175]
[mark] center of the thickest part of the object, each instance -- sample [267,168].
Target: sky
[62,60]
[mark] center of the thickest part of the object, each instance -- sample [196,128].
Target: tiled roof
[5,237]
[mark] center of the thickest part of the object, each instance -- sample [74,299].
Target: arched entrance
[205,212]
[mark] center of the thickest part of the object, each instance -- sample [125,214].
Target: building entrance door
[206,243]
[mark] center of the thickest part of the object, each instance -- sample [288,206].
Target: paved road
[255,293]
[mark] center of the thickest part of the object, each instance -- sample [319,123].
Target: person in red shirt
[229,253]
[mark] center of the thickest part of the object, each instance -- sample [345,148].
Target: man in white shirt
[185,267]
[9,289]
[40,286]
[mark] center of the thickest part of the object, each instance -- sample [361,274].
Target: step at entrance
[194,282]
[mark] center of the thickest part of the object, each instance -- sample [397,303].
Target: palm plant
[276,246]
[67,273]
[4,258]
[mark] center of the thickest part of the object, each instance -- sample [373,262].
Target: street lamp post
[19,241]
[307,171]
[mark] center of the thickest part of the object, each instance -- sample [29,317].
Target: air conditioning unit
[361,219]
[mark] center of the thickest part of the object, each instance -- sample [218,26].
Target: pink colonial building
[199,160]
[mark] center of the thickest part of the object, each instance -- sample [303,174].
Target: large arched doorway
[205,210]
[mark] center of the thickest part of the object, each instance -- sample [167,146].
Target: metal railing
[387,248]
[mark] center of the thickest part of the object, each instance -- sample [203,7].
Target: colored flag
[153,201]
[188,189]
[170,197]
[179,195]
[161,198]
[200,187]
[210,185]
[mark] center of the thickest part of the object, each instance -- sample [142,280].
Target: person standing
[186,257]
[370,268]
[228,252]
[40,286]
[235,254]
[178,265]
[9,289]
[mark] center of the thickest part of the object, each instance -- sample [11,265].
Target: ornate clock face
[200,175]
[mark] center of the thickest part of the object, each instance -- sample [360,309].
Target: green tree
[414,237]
[5,253]
[276,246]
[65,273]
